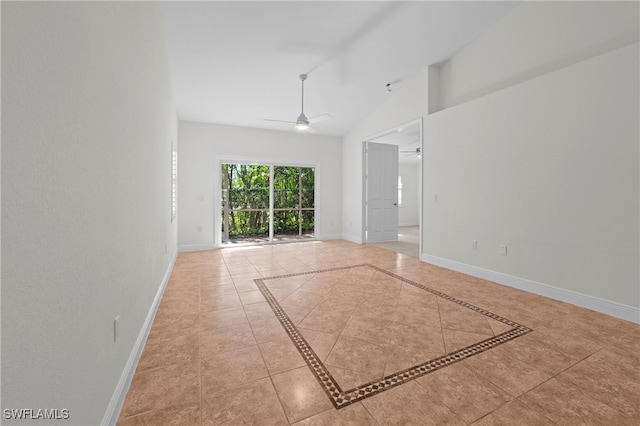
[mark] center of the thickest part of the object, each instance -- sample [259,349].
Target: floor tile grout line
[200,349]
[275,389]
[444,343]
[282,315]
[270,375]
[394,322]
[557,377]
[521,401]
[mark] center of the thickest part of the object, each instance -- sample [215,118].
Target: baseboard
[351,238]
[117,400]
[329,237]
[608,307]
[405,224]
[201,247]
[197,247]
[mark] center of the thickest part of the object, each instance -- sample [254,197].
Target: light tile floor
[218,354]
[407,243]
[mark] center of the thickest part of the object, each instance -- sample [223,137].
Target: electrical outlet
[503,250]
[199,228]
[474,245]
[116,328]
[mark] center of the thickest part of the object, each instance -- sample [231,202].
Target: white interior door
[381,192]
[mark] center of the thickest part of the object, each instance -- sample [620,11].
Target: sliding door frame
[217,192]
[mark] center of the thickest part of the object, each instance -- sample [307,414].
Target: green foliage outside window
[245,200]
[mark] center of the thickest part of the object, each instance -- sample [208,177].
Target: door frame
[420,123]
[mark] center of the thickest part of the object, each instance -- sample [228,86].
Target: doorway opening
[263,203]
[408,183]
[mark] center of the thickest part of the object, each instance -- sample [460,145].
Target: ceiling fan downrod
[302,123]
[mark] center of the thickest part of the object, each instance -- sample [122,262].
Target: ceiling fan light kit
[302,123]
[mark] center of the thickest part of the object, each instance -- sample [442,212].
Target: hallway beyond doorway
[408,241]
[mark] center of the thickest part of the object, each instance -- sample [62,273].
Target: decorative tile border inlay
[342,398]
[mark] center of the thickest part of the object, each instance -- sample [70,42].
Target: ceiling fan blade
[279,121]
[319,118]
[302,123]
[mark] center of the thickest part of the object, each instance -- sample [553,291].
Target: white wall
[202,145]
[536,148]
[87,124]
[406,103]
[548,168]
[408,214]
[535,38]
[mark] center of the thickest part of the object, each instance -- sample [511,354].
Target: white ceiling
[238,62]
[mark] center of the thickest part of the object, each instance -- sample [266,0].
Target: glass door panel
[246,209]
[245,203]
[294,198]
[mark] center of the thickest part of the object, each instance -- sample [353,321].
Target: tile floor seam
[551,422]
[439,398]
[282,407]
[395,321]
[562,379]
[332,346]
[200,366]
[444,343]
[310,416]
[369,412]
[542,413]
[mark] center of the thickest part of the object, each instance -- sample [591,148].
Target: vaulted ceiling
[238,62]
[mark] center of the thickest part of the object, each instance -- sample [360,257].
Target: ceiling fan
[302,122]
[413,152]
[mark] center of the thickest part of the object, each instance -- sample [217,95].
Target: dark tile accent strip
[340,398]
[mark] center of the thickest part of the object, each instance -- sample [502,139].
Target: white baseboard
[117,400]
[209,246]
[352,239]
[608,307]
[197,247]
[403,224]
[329,237]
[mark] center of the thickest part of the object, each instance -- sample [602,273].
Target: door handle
[395,204]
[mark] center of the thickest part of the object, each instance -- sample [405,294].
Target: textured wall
[87,124]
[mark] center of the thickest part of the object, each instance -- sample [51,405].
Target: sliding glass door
[294,202]
[264,203]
